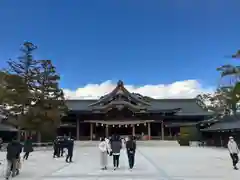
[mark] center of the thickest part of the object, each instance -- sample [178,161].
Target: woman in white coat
[103,146]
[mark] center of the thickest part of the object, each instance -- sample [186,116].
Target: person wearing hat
[233,150]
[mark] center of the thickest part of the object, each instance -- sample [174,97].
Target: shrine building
[127,113]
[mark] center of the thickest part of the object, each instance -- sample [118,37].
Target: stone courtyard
[152,163]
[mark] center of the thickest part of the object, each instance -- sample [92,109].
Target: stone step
[139,143]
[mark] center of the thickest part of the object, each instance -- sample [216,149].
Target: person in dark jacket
[131,149]
[28,147]
[116,146]
[70,145]
[14,149]
[61,146]
[56,148]
[18,157]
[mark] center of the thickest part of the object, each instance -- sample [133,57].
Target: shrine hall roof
[187,106]
[120,97]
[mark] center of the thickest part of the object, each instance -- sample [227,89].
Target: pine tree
[2,87]
[22,84]
[50,104]
[2,93]
[34,94]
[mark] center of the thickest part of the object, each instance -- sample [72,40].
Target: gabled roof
[182,107]
[186,106]
[120,90]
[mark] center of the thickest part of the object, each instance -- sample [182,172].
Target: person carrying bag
[233,150]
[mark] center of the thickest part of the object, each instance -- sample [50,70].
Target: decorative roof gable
[120,97]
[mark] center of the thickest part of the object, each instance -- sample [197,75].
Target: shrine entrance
[120,130]
[123,128]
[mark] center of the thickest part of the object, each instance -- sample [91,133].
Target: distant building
[217,130]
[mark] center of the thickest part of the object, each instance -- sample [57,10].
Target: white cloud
[179,89]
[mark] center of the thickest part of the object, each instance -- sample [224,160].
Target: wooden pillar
[77,129]
[106,131]
[133,130]
[170,132]
[91,131]
[162,130]
[149,131]
[26,135]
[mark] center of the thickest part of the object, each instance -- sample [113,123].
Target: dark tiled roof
[226,123]
[187,106]
[79,105]
[120,90]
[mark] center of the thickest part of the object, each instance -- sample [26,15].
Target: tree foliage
[2,87]
[226,98]
[236,55]
[31,92]
[50,104]
[3,93]
[21,85]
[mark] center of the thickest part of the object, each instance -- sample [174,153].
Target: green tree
[9,90]
[3,92]
[236,55]
[2,87]
[227,95]
[22,84]
[50,104]
[228,88]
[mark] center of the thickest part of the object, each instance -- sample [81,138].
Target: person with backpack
[116,147]
[131,149]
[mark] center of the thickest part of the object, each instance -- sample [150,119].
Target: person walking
[62,140]
[18,157]
[13,155]
[28,147]
[70,145]
[116,146]
[56,148]
[233,150]
[103,146]
[131,149]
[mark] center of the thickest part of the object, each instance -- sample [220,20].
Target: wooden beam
[119,122]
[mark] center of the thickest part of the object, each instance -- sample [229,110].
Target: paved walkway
[152,163]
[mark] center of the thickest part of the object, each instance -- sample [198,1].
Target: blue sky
[139,41]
